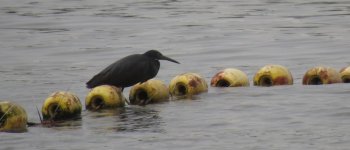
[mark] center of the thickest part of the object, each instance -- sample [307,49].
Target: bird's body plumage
[128,71]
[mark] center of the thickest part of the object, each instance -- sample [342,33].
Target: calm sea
[53,45]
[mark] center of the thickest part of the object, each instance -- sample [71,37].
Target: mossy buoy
[187,84]
[345,74]
[104,97]
[61,105]
[151,91]
[271,75]
[229,77]
[13,117]
[321,75]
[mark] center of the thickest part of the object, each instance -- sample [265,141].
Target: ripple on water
[48,46]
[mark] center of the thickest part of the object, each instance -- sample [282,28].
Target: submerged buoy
[345,74]
[271,75]
[13,118]
[321,75]
[229,77]
[187,84]
[61,106]
[104,96]
[152,91]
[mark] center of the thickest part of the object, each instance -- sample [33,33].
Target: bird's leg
[147,101]
[127,101]
[122,89]
[143,102]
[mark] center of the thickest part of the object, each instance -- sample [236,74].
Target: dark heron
[130,70]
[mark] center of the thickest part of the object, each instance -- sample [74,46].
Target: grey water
[54,45]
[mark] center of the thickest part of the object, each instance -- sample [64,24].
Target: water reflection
[43,40]
[41,30]
[61,125]
[129,119]
[140,119]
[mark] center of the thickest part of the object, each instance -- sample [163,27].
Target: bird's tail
[91,84]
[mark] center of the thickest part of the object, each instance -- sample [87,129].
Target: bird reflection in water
[128,119]
[75,123]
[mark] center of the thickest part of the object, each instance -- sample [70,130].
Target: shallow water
[54,45]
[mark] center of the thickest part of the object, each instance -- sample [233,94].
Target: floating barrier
[152,91]
[271,75]
[229,77]
[61,106]
[321,75]
[345,74]
[66,105]
[187,84]
[13,118]
[104,96]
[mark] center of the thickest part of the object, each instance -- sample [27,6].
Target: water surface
[54,45]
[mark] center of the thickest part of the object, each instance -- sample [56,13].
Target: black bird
[130,70]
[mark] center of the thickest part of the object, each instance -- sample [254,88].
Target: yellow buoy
[321,75]
[187,84]
[13,118]
[271,75]
[60,106]
[152,91]
[230,77]
[104,96]
[345,74]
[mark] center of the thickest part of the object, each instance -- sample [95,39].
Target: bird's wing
[100,78]
[128,73]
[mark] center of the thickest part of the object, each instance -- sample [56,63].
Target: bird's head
[158,56]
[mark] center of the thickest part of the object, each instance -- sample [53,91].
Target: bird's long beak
[169,59]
